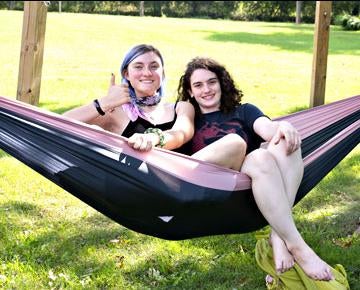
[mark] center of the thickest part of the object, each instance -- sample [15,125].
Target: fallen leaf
[343,242]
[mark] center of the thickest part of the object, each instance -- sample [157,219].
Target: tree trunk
[142,8]
[298,12]
[11,5]
[59,6]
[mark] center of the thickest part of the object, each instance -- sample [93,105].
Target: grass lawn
[51,240]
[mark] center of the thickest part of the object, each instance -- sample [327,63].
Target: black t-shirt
[213,126]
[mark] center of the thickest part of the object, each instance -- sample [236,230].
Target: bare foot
[282,257]
[311,263]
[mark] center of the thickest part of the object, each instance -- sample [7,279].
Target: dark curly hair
[230,95]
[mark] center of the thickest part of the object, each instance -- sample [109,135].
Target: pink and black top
[210,127]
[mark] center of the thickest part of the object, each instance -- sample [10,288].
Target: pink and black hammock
[163,193]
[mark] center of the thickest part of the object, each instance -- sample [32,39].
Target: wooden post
[320,54]
[32,50]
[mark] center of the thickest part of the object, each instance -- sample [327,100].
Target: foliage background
[279,11]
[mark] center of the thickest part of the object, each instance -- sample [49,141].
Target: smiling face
[145,74]
[205,88]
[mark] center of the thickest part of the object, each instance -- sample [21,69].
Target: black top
[215,125]
[140,125]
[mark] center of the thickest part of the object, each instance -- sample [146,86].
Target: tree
[298,12]
[11,5]
[141,8]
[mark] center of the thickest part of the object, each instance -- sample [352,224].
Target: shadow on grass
[231,262]
[3,154]
[296,109]
[295,27]
[342,178]
[292,111]
[230,271]
[329,215]
[21,207]
[341,43]
[303,27]
[339,189]
[62,240]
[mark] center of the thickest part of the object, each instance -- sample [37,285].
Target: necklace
[148,101]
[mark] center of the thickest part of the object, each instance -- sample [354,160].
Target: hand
[143,142]
[290,134]
[117,95]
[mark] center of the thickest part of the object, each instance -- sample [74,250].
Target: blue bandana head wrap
[132,109]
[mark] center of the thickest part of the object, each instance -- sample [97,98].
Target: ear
[190,93]
[126,74]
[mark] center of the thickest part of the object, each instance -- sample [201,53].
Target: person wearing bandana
[135,108]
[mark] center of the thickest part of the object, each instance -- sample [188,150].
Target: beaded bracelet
[98,107]
[160,134]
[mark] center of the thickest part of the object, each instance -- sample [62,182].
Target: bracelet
[159,133]
[98,108]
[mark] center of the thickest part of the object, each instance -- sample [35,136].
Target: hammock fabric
[163,193]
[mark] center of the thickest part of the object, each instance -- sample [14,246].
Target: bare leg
[291,170]
[229,152]
[273,202]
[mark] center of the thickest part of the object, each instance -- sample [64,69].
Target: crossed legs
[291,169]
[275,181]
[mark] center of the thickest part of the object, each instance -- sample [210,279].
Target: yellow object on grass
[295,278]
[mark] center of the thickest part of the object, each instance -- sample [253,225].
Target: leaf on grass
[242,282]
[120,261]
[343,242]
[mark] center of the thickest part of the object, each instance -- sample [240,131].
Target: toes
[327,277]
[324,276]
[289,266]
[330,275]
[279,267]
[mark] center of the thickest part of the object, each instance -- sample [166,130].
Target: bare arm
[117,95]
[274,131]
[183,129]
[181,132]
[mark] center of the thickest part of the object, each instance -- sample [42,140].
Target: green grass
[51,240]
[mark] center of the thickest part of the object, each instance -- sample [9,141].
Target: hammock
[163,193]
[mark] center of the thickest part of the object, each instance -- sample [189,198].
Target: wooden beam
[32,50]
[320,55]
